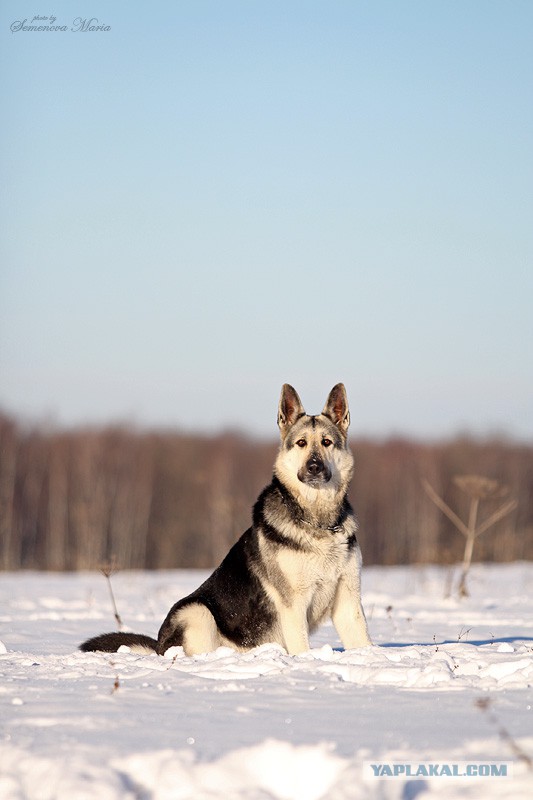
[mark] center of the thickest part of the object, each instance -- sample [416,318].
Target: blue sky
[213,198]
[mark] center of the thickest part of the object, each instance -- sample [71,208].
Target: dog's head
[314,450]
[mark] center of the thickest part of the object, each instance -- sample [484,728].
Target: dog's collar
[332,528]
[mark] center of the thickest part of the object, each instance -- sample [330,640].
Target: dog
[298,564]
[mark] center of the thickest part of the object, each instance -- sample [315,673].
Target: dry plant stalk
[107,570]
[485,705]
[116,684]
[477,488]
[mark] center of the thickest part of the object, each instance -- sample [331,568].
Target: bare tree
[8,461]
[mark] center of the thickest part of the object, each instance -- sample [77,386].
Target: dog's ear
[290,408]
[336,408]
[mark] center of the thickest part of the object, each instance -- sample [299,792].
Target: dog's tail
[110,643]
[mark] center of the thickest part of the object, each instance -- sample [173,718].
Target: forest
[84,498]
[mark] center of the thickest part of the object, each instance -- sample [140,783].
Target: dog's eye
[301,442]
[326,442]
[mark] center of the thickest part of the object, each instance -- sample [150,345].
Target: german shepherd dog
[297,565]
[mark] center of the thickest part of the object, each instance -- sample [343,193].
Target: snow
[264,725]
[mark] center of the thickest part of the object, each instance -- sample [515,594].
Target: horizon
[50,427]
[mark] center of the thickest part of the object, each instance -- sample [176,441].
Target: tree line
[79,499]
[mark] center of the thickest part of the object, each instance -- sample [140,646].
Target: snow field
[264,724]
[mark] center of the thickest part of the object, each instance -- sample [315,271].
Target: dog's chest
[314,575]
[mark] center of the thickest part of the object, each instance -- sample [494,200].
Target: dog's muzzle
[315,471]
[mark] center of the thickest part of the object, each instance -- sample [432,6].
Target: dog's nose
[315,466]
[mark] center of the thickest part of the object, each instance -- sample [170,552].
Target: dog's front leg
[293,621]
[348,615]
